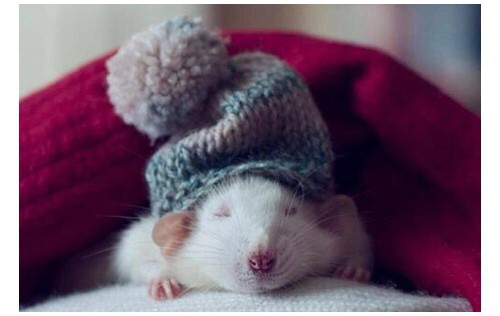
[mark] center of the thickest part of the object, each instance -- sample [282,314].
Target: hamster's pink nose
[262,261]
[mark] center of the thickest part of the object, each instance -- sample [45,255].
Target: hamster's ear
[171,230]
[336,208]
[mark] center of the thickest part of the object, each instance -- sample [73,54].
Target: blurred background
[440,42]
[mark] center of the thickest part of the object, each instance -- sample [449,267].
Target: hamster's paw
[164,288]
[352,273]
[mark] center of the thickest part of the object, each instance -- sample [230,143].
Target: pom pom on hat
[158,80]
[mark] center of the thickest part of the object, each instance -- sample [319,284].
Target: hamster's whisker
[284,258]
[119,216]
[202,257]
[206,247]
[294,282]
[304,266]
[98,252]
[180,246]
[362,193]
[312,224]
[220,237]
[312,257]
[141,207]
[238,221]
[196,254]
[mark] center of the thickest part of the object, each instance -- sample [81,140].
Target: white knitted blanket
[312,295]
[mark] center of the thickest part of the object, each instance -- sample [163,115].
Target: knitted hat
[249,114]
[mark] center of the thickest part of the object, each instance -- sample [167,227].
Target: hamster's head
[255,236]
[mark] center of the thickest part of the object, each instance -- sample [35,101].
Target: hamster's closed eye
[222,211]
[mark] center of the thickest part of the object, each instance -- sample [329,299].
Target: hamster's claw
[358,274]
[164,288]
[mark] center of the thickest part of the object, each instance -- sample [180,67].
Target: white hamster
[249,235]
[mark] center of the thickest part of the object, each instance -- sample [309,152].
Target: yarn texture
[160,78]
[255,116]
[311,295]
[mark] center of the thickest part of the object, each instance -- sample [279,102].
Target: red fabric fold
[407,153]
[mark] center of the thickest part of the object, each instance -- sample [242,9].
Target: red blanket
[408,154]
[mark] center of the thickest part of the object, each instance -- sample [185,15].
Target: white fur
[216,253]
[137,258]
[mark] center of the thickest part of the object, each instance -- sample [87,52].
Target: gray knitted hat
[249,114]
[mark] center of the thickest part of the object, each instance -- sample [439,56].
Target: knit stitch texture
[312,295]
